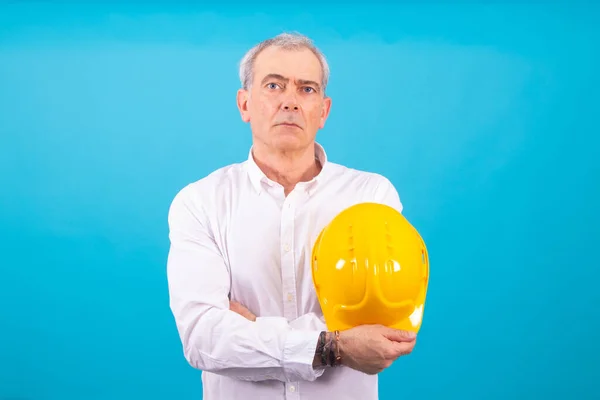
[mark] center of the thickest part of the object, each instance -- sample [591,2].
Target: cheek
[265,107]
[315,113]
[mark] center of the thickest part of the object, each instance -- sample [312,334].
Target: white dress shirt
[234,234]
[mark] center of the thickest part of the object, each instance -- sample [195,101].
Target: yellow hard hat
[370,266]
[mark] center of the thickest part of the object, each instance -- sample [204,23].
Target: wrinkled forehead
[294,64]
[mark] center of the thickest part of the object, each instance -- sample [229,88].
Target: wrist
[336,355]
[318,359]
[328,353]
[342,347]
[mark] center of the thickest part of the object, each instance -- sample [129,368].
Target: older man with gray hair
[239,271]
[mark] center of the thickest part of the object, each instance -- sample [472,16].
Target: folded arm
[214,338]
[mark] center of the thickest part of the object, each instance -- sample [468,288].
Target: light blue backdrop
[485,118]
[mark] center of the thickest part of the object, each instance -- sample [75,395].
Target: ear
[325,111]
[242,102]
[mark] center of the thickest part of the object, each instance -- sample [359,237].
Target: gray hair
[288,41]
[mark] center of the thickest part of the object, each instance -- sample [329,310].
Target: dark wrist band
[328,349]
[321,347]
[337,358]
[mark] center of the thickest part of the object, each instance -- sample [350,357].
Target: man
[239,270]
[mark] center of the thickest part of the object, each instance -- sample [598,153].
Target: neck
[287,167]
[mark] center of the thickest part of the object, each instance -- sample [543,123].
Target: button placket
[288,268]
[292,392]
[288,275]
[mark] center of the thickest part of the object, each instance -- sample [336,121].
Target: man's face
[285,105]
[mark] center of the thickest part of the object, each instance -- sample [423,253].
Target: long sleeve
[387,194]
[310,322]
[214,338]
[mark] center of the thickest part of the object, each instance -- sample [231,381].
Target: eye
[272,85]
[308,89]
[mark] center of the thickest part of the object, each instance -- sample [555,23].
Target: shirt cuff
[299,354]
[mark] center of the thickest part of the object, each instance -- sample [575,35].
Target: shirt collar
[258,177]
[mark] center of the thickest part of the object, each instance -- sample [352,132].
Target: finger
[397,335]
[241,310]
[237,307]
[403,348]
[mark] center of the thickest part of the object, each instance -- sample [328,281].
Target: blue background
[484,117]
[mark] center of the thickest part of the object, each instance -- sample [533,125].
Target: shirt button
[286,247]
[290,297]
[292,388]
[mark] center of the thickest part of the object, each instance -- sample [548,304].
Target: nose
[290,103]
[290,107]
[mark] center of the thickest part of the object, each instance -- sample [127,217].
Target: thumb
[397,335]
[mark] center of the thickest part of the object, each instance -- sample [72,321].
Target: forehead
[294,64]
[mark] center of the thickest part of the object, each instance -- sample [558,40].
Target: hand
[243,311]
[373,348]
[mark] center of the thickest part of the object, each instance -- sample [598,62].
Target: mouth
[290,124]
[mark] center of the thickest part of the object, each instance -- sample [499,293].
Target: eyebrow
[283,78]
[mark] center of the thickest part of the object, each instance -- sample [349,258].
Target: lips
[289,124]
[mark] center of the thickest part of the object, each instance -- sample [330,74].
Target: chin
[290,142]
[288,135]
